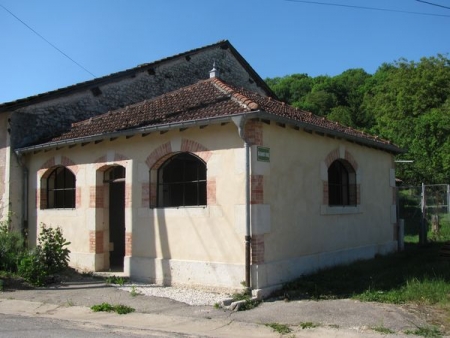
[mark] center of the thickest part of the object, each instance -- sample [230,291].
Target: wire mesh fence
[425,208]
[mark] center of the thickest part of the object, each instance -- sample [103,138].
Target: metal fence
[425,209]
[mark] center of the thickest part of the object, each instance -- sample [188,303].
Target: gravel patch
[185,295]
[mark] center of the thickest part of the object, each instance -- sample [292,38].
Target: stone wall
[39,122]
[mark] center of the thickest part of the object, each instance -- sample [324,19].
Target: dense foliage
[406,102]
[50,255]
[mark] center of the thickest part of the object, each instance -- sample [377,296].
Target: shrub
[48,257]
[52,247]
[11,247]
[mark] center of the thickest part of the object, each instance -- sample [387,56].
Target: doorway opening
[115,177]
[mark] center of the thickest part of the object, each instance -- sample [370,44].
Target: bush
[11,247]
[48,257]
[52,248]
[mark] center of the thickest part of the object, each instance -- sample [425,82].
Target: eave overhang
[262,115]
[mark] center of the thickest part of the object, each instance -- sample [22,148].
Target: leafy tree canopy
[407,102]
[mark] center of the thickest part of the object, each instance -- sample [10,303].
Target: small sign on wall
[263,154]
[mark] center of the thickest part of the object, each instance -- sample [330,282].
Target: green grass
[280,328]
[415,275]
[106,307]
[429,332]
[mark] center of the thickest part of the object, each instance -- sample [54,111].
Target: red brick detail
[48,164]
[96,241]
[67,162]
[96,196]
[257,189]
[351,160]
[41,198]
[196,148]
[128,193]
[128,244]
[100,162]
[77,197]
[158,153]
[257,249]
[331,157]
[145,195]
[254,132]
[153,188]
[325,195]
[211,191]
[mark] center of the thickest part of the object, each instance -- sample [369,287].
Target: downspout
[24,229]
[240,123]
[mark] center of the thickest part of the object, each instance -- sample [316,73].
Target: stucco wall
[296,231]
[192,245]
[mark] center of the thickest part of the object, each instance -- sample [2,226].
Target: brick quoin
[211,191]
[257,249]
[128,243]
[96,241]
[96,196]
[77,197]
[254,132]
[257,189]
[145,198]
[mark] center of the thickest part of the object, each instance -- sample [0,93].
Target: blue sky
[277,37]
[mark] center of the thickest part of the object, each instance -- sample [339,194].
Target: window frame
[342,187]
[58,187]
[166,191]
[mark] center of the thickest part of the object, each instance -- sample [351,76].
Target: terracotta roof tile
[205,99]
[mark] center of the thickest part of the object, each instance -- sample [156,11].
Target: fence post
[423,221]
[448,199]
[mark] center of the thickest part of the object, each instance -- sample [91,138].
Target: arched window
[341,184]
[182,181]
[61,189]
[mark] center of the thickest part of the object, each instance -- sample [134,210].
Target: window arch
[341,184]
[61,189]
[182,181]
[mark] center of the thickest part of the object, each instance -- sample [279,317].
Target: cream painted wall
[300,237]
[187,237]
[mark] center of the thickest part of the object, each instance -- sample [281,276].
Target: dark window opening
[61,189]
[182,182]
[114,174]
[341,184]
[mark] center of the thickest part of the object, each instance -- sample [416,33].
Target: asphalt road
[66,309]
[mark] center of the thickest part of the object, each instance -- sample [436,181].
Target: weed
[309,325]
[428,332]
[133,291]
[115,280]
[1,284]
[280,328]
[382,329]
[217,306]
[70,302]
[106,307]
[247,297]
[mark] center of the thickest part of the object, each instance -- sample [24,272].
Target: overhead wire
[433,4]
[367,8]
[47,41]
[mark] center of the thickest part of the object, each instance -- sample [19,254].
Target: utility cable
[366,8]
[43,38]
[433,4]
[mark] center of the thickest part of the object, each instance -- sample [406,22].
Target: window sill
[340,210]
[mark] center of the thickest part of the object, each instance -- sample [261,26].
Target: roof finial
[214,72]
